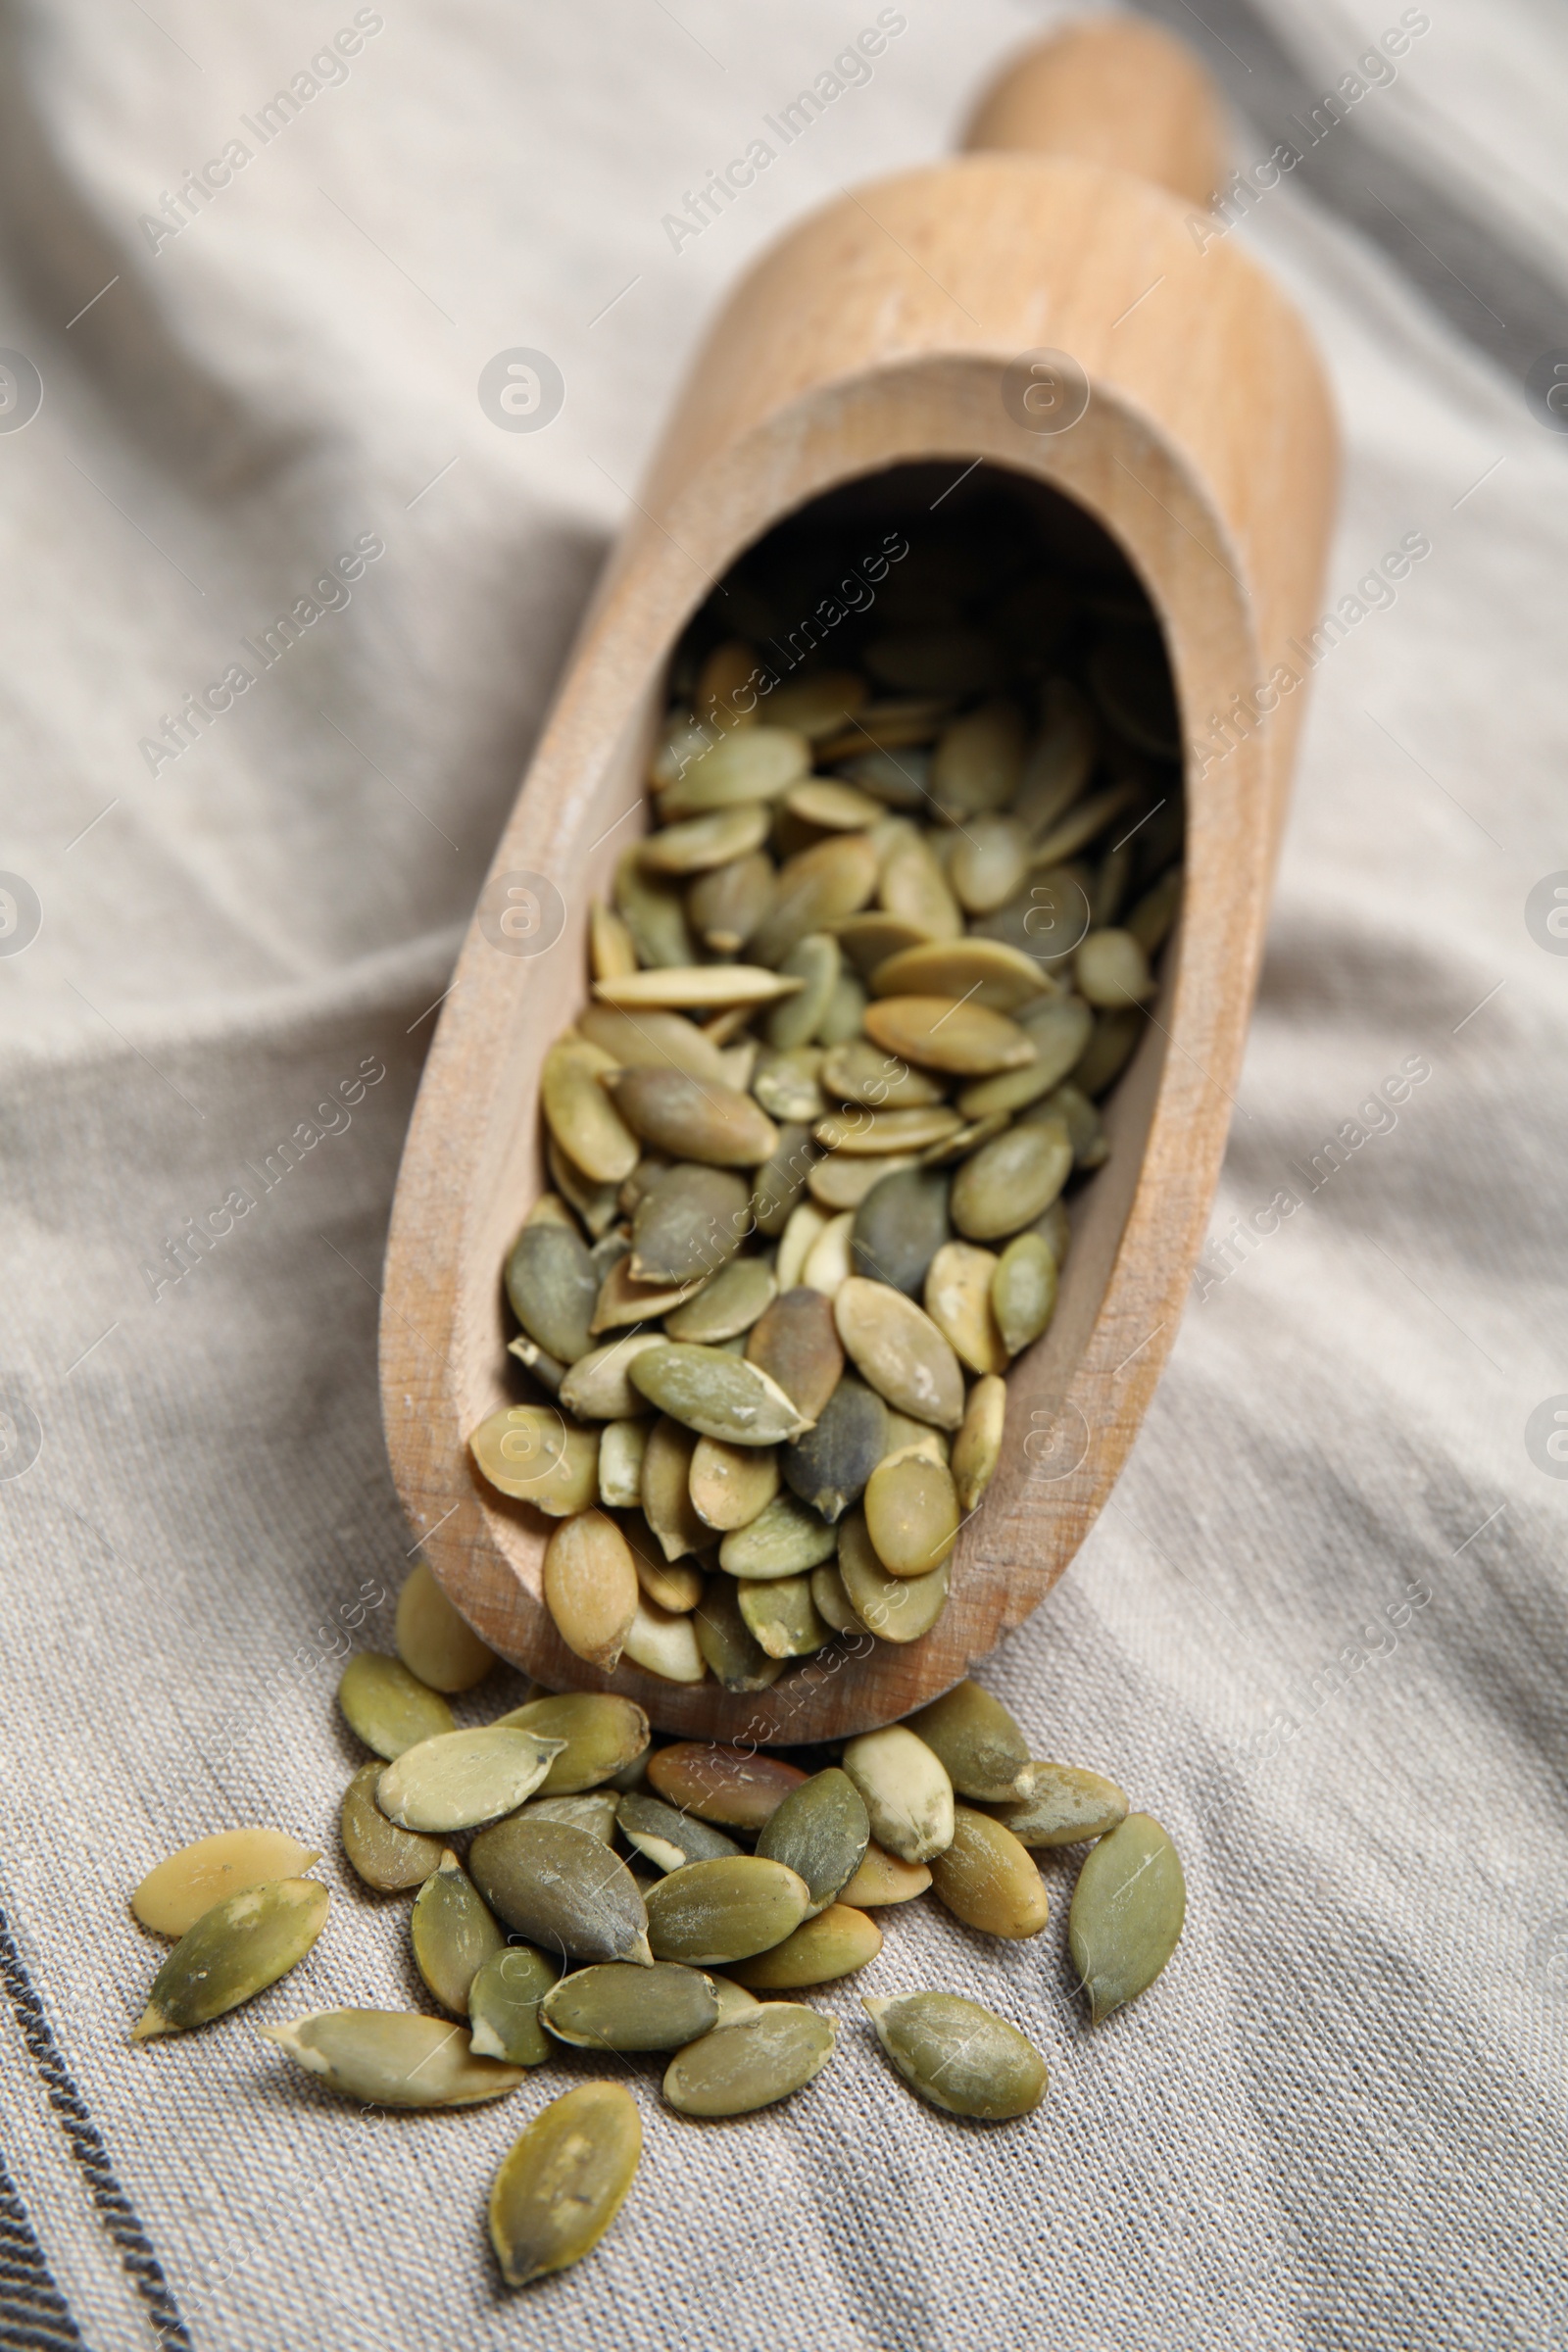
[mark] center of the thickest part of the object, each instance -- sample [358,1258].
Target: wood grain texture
[877,334]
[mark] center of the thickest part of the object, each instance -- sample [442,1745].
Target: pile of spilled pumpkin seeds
[742,1880]
[852,1007]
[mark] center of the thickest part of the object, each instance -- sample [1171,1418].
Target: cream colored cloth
[1318,1631]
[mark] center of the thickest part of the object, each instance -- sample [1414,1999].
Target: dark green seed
[552,1284]
[899,1228]
[828,1467]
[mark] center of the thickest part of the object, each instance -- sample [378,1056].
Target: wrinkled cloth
[1318,1630]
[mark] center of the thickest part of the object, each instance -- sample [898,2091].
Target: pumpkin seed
[959,2056]
[820,1832]
[727,1305]
[452,1935]
[780,1183]
[718,1394]
[896,1346]
[966,1142]
[599,1735]
[711,1914]
[987,1879]
[387,2058]
[437,1644]
[559,1886]
[844,1013]
[725,906]
[600,1385]
[386,1706]
[566,2177]
[1085,1129]
[978,762]
[665,1643]
[535,1453]
[647,1040]
[692,1120]
[813,890]
[835,1943]
[234,1950]
[1023,1293]
[861,1134]
[385,1857]
[691,988]
[786,1083]
[831,1601]
[722,1784]
[1079,826]
[1127,1913]
[896,1609]
[698,843]
[796,1343]
[1061,758]
[913,887]
[669,1838]
[589,1583]
[989,862]
[665,1493]
[594,1810]
[978,971]
[977,1448]
[504,2006]
[1112,970]
[1059,1030]
[943,1033]
[610,946]
[836,807]
[173,1895]
[816,962]
[650,906]
[687,1224]
[623,1301]
[984,1752]
[1064,1807]
[752,2061]
[580,1116]
[909,1796]
[613,2007]
[1009,1181]
[869,939]
[552,1284]
[786,1537]
[827,1262]
[733,1653]
[827,1468]
[782,1617]
[818,705]
[914,1437]
[754,763]
[899,1229]
[622,1447]
[959,1285]
[730,1485]
[733,2001]
[594,1202]
[806,1227]
[839,1183]
[912,1515]
[675,1585]
[1108,1050]
[461,1778]
[882,1878]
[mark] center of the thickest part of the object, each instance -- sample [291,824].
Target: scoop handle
[1112,90]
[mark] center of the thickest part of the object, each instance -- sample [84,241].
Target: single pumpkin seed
[869,940]
[989,862]
[734,1656]
[820,1832]
[984,1752]
[689,988]
[718,1394]
[896,1609]
[385,1857]
[882,1878]
[593,1809]
[1059,1030]
[622,1447]
[725,906]
[174,1893]
[837,1183]
[912,1515]
[780,1182]
[958,1287]
[786,1083]
[711,1914]
[594,1202]
[613,2007]
[610,946]
[730,1485]
[816,962]
[896,1346]
[600,1388]
[649,1040]
[623,1301]
[590,1587]
[751,763]
[959,2056]
[785,1539]
[1085,1128]
[675,1585]
[831,1601]
[386,1706]
[1112,970]
[535,1454]
[909,1796]
[566,2177]
[725,1307]
[751,2060]
[1108,1050]
[835,1943]
[436,1643]
[977,1448]
[945,1033]
[977,971]
[978,763]
[650,905]
[814,890]
[833,807]
[387,2058]
[553,1288]
[666,1490]
[782,1617]
[663,1642]
[599,1735]
[806,1227]
[461,1778]
[827,1261]
[822,705]
[691,1120]
[913,887]
[988,1880]
[559,1886]
[1023,1293]
[1064,1807]
[1008,1182]
[862,1134]
[670,1839]
[580,1116]
[452,1934]
[734,2001]
[900,1227]
[964,1142]
[504,2006]
[914,1437]
[844,1014]
[696,844]
[726,686]
[722,1784]
[827,1468]
[1078,827]
[796,1343]
[1127,1913]
[234,1950]
[688,1223]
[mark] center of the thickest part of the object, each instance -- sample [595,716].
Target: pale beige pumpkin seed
[908,1795]
[662,1641]
[386,1706]
[388,2059]
[1127,1913]
[1112,970]
[234,1950]
[622,1447]
[958,1288]
[590,1587]
[435,1643]
[882,1878]
[751,763]
[697,842]
[461,1778]
[452,1934]
[977,1448]
[960,2056]
[612,950]
[666,1500]
[174,1893]
[689,988]
[897,1348]
[806,1227]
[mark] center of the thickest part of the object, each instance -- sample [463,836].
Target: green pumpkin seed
[652,1041]
[651,908]
[987,1879]
[1108,1050]
[870,939]
[613,2007]
[831,1601]
[504,2007]
[959,2056]
[385,1857]
[734,1656]
[734,2001]
[861,1134]
[461,1778]
[835,1943]
[915,1437]
[623,1300]
[622,1447]
[535,1454]
[711,1914]
[1127,1913]
[1112,970]
[1058,1028]
[912,1515]
[1023,1292]
[964,1142]
[594,1202]
[814,890]
[599,1735]
[785,1539]
[1085,1128]
[725,1307]
[913,887]
[827,1468]
[172,1896]
[978,763]
[896,1346]
[688,1223]
[1010,1180]
[796,1345]
[957,1298]
[718,1394]
[882,1878]
[552,1284]
[452,1935]
[436,1643]
[859,1072]
[235,1950]
[816,963]
[565,2181]
[781,1180]
[669,1838]
[751,2060]
[730,1485]
[387,2058]
[979,971]
[896,1609]
[691,1120]
[752,763]
[600,1388]
[907,1791]
[837,1184]
[666,1500]
[557,1886]
[1064,1807]
[985,1754]
[727,1784]
[845,1014]
[977,1448]
[1078,827]
[725,906]
[782,1617]
[899,1229]
[386,1706]
[943,1033]
[595,1810]
[785,1083]
[610,946]
[697,844]
[579,1114]
[820,1832]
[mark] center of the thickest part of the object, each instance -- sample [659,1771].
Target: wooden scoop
[919,322]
